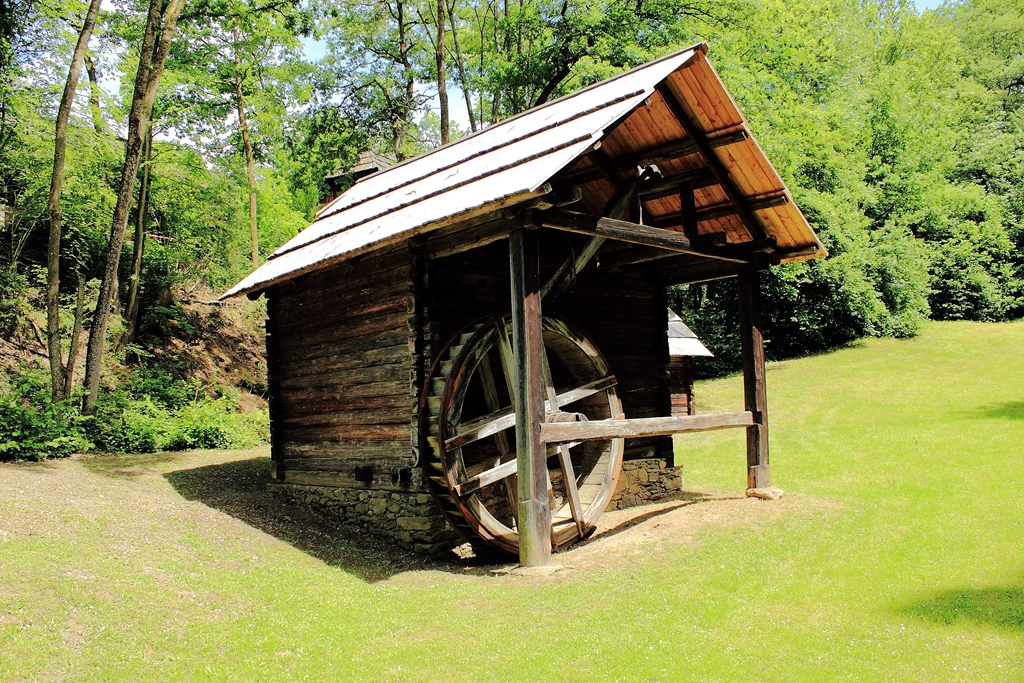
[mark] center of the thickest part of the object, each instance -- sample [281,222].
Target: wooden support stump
[534,519]
[755,394]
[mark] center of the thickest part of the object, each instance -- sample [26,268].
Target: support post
[528,349]
[755,394]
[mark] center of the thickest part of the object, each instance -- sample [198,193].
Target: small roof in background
[681,339]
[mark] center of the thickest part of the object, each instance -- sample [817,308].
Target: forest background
[201,132]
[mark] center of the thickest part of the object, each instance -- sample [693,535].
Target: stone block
[414,523]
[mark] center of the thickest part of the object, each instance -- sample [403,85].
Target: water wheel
[467,418]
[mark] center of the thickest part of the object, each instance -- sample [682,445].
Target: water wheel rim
[588,366]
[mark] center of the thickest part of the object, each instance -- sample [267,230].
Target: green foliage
[32,427]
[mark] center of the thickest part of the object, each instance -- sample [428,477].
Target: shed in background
[683,346]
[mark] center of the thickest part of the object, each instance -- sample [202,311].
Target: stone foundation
[409,520]
[644,481]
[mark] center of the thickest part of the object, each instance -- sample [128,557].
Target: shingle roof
[681,339]
[502,165]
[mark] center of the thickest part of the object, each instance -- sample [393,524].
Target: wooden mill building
[475,339]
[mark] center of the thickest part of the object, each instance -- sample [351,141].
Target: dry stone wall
[645,481]
[410,520]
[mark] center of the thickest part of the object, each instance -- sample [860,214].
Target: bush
[32,427]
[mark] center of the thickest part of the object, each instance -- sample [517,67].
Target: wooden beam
[528,361]
[616,207]
[598,430]
[635,255]
[669,185]
[653,155]
[754,389]
[715,211]
[688,210]
[677,149]
[705,271]
[719,169]
[609,228]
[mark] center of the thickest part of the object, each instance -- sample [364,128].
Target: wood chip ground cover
[895,555]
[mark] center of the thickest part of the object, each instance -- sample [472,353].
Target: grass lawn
[896,555]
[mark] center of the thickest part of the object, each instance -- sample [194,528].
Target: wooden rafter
[715,165]
[716,211]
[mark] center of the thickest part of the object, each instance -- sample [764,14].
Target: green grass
[896,556]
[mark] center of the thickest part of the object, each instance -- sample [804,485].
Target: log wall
[348,347]
[342,346]
[681,373]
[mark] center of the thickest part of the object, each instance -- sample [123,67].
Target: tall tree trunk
[398,140]
[156,42]
[460,64]
[76,335]
[60,143]
[250,166]
[442,79]
[132,310]
[94,96]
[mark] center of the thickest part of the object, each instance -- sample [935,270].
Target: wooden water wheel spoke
[469,411]
[568,472]
[505,418]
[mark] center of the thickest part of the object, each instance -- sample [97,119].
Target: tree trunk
[152,56]
[398,140]
[60,142]
[442,79]
[132,310]
[460,64]
[94,96]
[250,166]
[76,335]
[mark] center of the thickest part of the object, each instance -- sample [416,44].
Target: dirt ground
[221,490]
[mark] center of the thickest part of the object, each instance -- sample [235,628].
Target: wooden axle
[557,432]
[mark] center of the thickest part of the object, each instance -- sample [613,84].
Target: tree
[156,43]
[57,383]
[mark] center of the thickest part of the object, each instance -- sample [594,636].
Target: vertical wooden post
[273,392]
[688,204]
[528,350]
[755,394]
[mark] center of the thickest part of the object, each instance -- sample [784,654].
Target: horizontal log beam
[669,186]
[557,432]
[633,233]
[716,211]
[691,273]
[652,155]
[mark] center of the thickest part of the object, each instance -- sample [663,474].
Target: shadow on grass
[1010,410]
[999,607]
[238,488]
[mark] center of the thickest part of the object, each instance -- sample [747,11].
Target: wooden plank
[556,432]
[528,349]
[714,163]
[713,212]
[754,387]
[633,233]
[505,418]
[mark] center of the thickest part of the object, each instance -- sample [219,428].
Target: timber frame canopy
[652,177]
[715,207]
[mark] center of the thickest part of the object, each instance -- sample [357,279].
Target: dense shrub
[139,417]
[34,428]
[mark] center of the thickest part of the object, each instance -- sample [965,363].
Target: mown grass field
[895,556]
